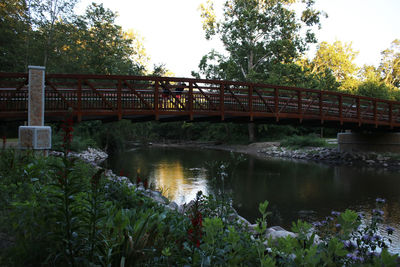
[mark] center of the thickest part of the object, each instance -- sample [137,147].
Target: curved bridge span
[141,98]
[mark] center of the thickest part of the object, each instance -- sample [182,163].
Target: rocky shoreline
[332,156]
[326,155]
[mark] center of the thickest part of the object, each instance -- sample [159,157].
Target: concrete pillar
[36,96]
[35,135]
[374,142]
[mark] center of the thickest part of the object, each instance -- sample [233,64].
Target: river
[295,190]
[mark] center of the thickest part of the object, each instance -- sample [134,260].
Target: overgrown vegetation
[60,211]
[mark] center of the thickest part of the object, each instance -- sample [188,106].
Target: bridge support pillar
[374,142]
[35,135]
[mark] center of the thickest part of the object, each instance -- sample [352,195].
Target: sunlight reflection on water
[174,182]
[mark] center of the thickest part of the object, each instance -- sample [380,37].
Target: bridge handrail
[194,80]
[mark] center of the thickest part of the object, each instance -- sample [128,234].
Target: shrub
[303,141]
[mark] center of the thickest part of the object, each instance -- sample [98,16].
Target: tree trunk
[251,127]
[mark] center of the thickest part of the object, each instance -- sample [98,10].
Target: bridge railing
[121,96]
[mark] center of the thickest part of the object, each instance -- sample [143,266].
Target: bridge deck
[163,98]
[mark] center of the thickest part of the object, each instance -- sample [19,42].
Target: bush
[303,141]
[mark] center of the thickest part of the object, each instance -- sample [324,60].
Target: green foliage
[338,58]
[297,141]
[62,212]
[48,33]
[256,35]
[390,64]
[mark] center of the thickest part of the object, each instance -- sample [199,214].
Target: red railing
[112,96]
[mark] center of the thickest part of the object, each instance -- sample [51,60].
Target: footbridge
[142,98]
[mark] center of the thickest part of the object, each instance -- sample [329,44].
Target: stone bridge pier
[371,142]
[35,136]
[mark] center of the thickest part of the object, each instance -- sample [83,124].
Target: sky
[173,33]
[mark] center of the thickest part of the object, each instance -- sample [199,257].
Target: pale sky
[173,34]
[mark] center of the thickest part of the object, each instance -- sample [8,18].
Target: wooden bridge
[141,98]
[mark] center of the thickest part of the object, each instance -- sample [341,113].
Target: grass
[297,141]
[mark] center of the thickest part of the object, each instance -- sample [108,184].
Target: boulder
[173,206]
[278,232]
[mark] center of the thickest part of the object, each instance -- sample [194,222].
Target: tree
[13,34]
[93,43]
[372,84]
[390,64]
[37,32]
[374,88]
[339,59]
[45,14]
[257,35]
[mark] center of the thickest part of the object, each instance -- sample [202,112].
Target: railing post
[79,100]
[321,115]
[156,83]
[375,114]
[358,112]
[119,100]
[341,109]
[251,101]
[191,100]
[276,101]
[299,104]
[222,101]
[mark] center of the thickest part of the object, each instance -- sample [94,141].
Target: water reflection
[178,178]
[295,190]
[175,183]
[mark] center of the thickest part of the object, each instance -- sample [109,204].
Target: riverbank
[327,155]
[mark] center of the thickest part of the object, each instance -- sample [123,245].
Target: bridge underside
[237,117]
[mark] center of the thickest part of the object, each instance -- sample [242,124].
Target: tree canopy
[48,33]
[390,64]
[338,58]
[256,34]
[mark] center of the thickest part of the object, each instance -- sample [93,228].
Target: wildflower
[316,224]
[195,232]
[349,244]
[329,218]
[380,200]
[354,257]
[366,238]
[377,237]
[67,128]
[96,178]
[377,212]
[335,213]
[338,225]
[389,230]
